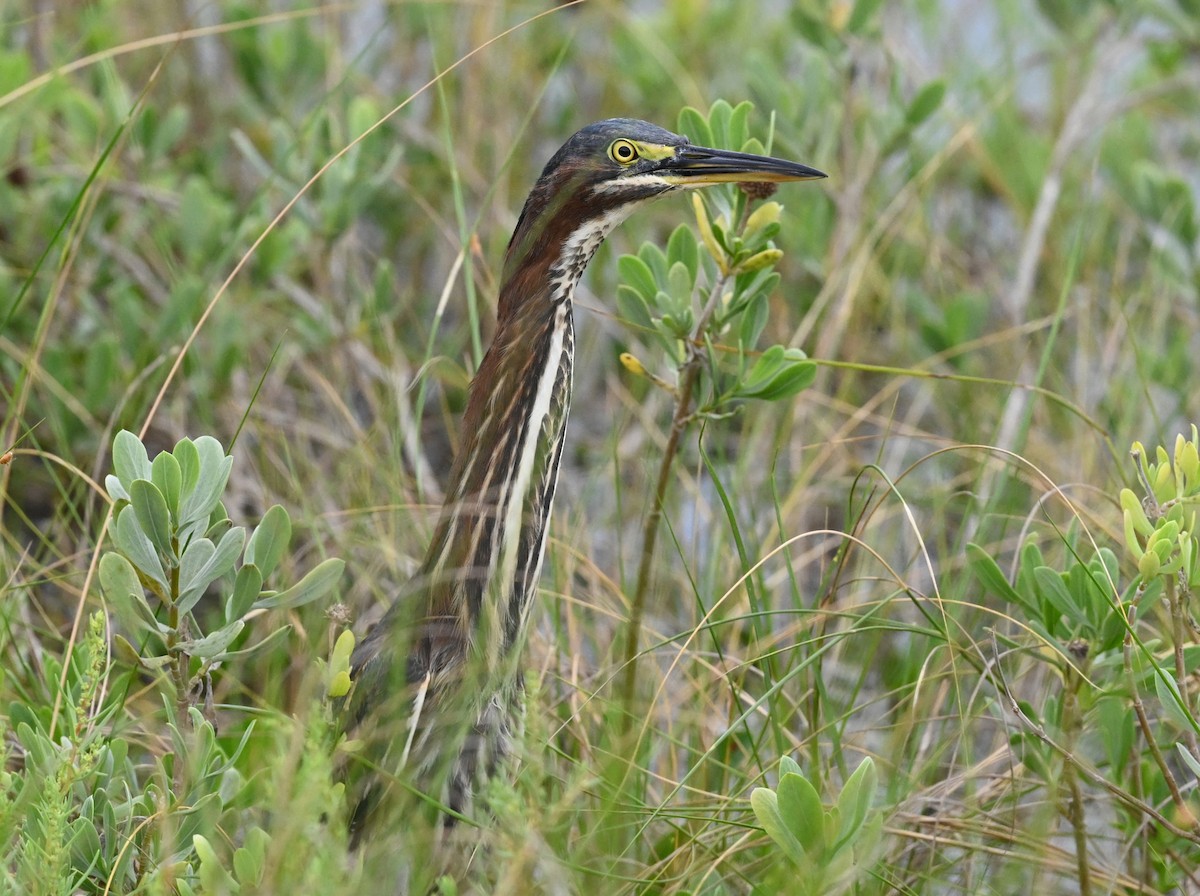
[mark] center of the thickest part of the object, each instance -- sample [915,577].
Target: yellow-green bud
[1187,461]
[760,260]
[1133,508]
[1148,565]
[340,685]
[1131,539]
[1162,482]
[339,665]
[632,364]
[765,215]
[706,234]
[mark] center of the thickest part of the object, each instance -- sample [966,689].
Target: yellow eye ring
[623,152]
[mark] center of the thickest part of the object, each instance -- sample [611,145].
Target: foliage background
[999,278]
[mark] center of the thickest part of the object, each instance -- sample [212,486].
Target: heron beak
[696,166]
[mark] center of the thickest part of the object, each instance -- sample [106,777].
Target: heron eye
[623,152]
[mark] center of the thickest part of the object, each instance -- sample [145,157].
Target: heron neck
[487,551]
[486,555]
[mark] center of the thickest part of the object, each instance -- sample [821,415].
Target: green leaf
[925,103]
[316,584]
[270,540]
[82,835]
[1188,759]
[683,248]
[129,458]
[719,114]
[802,812]
[188,459]
[631,306]
[677,326]
[765,804]
[191,564]
[208,566]
[754,320]
[115,489]
[777,373]
[988,572]
[152,514]
[213,876]
[208,647]
[694,126]
[1053,591]
[126,652]
[636,275]
[157,663]
[679,286]
[167,477]
[656,259]
[246,589]
[210,482]
[248,858]
[266,644]
[739,127]
[1172,702]
[854,802]
[124,592]
[137,548]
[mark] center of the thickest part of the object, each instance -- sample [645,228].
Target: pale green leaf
[167,477]
[124,592]
[802,812]
[267,643]
[1172,702]
[270,540]
[115,489]
[153,516]
[188,459]
[316,584]
[246,589]
[137,548]
[213,474]
[1189,760]
[766,809]
[213,876]
[854,802]
[213,644]
[129,458]
[219,563]
[636,275]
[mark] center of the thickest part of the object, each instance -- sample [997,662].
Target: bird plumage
[437,681]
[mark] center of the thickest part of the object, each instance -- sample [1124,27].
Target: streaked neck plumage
[484,561]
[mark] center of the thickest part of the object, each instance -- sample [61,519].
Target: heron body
[437,682]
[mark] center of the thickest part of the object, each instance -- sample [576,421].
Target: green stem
[1140,711]
[1075,811]
[689,380]
[1178,600]
[637,609]
[179,675]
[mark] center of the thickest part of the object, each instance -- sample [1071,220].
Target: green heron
[437,681]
